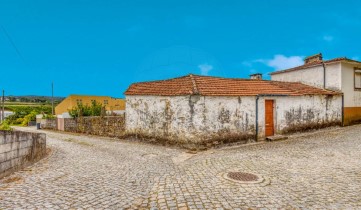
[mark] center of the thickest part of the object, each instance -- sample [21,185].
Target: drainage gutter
[324,75]
[342,110]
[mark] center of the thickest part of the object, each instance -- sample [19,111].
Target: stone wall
[18,149]
[50,124]
[112,126]
[70,125]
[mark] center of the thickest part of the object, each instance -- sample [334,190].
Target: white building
[206,110]
[6,114]
[340,74]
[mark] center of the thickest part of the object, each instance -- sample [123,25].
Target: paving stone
[317,170]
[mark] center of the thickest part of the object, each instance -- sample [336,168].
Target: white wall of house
[195,118]
[189,117]
[314,76]
[296,112]
[352,97]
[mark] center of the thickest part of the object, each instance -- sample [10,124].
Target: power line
[12,43]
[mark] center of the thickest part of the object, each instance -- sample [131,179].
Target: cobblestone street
[319,170]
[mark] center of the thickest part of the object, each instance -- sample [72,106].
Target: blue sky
[100,47]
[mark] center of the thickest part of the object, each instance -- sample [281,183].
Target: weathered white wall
[352,97]
[189,118]
[200,118]
[314,76]
[301,112]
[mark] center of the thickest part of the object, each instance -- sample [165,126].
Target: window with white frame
[358,78]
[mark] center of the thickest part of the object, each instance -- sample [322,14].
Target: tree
[95,109]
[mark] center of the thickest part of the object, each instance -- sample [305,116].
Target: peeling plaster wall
[297,113]
[197,119]
[339,76]
[314,76]
[190,119]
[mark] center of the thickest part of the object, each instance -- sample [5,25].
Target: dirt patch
[78,142]
[225,138]
[48,152]
[309,127]
[212,141]
[12,179]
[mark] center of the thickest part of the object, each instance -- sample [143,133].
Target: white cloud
[205,68]
[278,62]
[283,62]
[328,38]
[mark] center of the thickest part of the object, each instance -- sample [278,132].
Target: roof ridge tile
[194,85]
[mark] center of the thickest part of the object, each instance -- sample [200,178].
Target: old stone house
[339,74]
[204,109]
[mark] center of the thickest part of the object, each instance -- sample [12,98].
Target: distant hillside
[33,99]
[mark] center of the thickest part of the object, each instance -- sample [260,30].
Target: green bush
[30,117]
[5,126]
[24,114]
[18,121]
[49,116]
[95,109]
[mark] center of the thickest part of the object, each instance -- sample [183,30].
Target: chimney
[313,58]
[257,76]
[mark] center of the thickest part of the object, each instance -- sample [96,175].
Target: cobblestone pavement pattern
[320,170]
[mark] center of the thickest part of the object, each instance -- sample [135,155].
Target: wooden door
[269,117]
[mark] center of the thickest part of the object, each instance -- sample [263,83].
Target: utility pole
[52,98]
[3,107]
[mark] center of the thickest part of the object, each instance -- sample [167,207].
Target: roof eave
[298,68]
[318,64]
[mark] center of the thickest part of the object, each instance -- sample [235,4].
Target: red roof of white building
[316,63]
[217,86]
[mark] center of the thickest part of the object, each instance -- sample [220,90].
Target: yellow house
[111,104]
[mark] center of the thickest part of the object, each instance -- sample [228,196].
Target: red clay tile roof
[316,63]
[216,86]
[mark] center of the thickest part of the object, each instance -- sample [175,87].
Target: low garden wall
[112,126]
[70,125]
[19,149]
[50,124]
